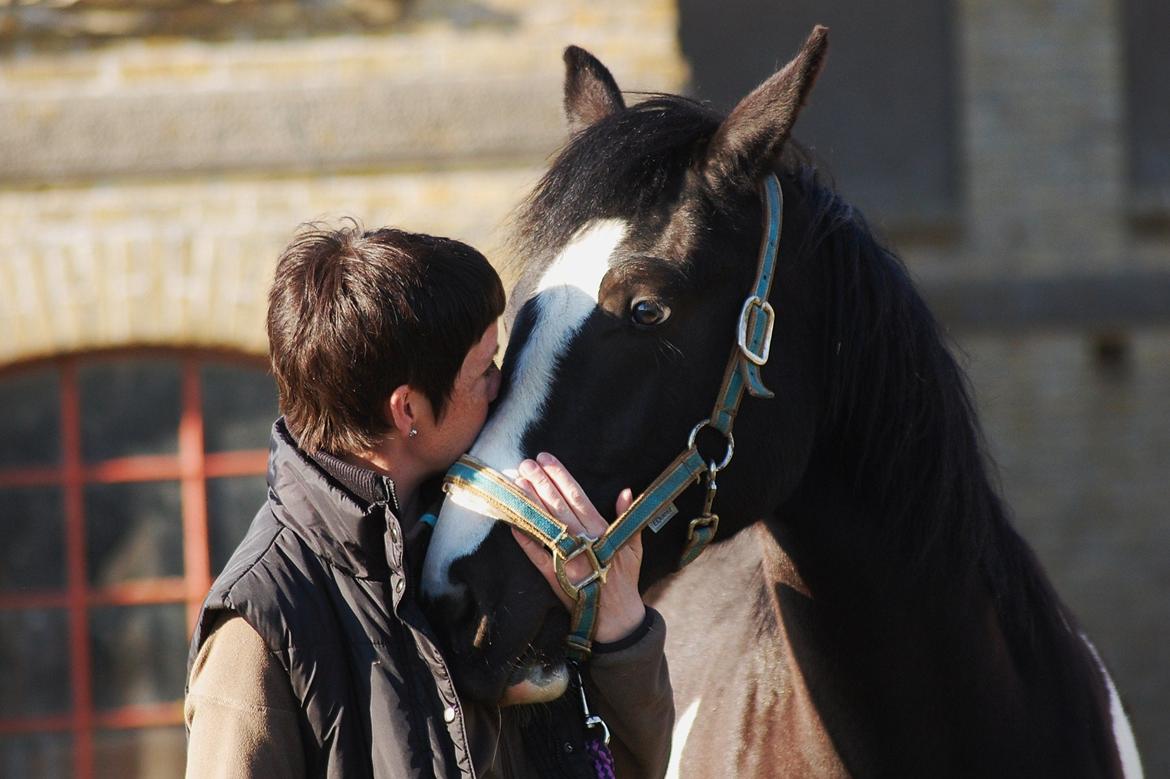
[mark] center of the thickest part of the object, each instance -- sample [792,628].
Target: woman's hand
[621,609]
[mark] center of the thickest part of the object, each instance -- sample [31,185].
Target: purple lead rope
[598,748]
[603,765]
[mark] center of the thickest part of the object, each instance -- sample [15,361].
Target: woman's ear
[401,411]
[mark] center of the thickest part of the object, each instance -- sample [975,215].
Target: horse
[868,609]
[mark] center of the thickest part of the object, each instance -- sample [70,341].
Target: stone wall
[146,185]
[1043,127]
[188,262]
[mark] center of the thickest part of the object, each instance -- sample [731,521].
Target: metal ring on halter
[730,442]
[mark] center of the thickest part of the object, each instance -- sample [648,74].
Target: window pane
[139,654]
[133,531]
[30,432]
[129,407]
[146,752]
[231,505]
[32,555]
[34,663]
[239,404]
[43,755]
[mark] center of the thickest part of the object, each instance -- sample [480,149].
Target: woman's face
[475,388]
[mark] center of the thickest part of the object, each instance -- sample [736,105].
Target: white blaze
[1131,761]
[678,741]
[565,296]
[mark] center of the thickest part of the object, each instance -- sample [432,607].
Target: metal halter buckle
[730,443]
[741,334]
[584,547]
[698,523]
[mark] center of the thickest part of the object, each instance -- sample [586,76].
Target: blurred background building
[155,155]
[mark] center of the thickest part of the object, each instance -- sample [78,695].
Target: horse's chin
[536,684]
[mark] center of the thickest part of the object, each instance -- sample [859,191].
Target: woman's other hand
[621,609]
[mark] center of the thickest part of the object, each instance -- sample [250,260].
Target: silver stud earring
[413,432]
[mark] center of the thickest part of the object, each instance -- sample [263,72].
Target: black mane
[901,426]
[623,164]
[898,422]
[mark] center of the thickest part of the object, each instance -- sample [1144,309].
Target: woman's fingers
[529,489]
[541,556]
[526,486]
[625,499]
[635,547]
[572,494]
[550,485]
[537,553]
[538,486]
[550,494]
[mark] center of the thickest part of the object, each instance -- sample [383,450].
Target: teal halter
[654,507]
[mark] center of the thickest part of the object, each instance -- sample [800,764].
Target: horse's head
[638,249]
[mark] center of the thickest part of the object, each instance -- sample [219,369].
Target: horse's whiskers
[670,350]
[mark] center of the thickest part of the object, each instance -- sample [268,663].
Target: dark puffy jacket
[321,578]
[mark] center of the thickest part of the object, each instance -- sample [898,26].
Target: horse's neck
[793,655]
[881,662]
[887,653]
[843,581]
[804,647]
[742,704]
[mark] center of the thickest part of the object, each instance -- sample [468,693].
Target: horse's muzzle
[502,630]
[537,683]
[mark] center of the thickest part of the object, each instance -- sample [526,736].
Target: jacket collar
[362,539]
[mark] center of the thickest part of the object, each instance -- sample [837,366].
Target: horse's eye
[649,312]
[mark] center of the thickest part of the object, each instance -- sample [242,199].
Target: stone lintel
[376,124]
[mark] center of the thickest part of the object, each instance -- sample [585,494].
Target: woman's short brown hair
[354,314]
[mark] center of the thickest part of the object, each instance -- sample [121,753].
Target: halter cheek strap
[655,506]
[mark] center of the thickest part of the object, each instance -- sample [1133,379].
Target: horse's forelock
[621,166]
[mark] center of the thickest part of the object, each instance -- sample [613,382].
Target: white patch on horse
[565,296]
[1131,761]
[678,742]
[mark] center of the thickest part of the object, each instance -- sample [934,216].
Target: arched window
[126,480]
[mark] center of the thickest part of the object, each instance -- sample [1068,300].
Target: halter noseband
[655,506]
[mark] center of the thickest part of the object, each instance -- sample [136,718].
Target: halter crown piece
[654,507]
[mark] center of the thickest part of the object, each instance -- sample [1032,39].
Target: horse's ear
[751,138]
[590,91]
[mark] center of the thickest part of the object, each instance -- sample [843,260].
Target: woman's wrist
[612,627]
[628,640]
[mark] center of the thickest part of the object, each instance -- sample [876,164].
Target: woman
[311,656]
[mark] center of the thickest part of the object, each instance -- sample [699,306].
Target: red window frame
[191,466]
